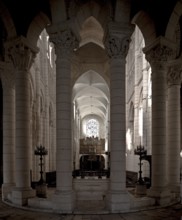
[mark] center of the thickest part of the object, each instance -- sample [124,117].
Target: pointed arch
[78,15]
[91,31]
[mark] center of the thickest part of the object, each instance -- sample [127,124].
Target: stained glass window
[92,128]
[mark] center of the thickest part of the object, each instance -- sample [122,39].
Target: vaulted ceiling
[23,12]
[90,90]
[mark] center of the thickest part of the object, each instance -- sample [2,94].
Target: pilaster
[174,79]
[65,43]
[22,55]
[117,48]
[158,55]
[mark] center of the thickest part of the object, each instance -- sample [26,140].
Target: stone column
[22,55]
[8,83]
[158,54]
[63,199]
[174,78]
[117,48]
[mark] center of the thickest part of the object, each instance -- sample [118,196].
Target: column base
[175,188]
[20,195]
[162,196]
[140,189]
[118,201]
[63,202]
[41,190]
[6,190]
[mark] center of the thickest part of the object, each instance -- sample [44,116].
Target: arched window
[92,128]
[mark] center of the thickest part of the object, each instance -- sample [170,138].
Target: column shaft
[22,129]
[63,122]
[158,54]
[158,129]
[8,133]
[117,48]
[118,140]
[174,137]
[174,77]
[22,55]
[64,44]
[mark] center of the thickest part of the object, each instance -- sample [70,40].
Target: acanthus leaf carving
[117,47]
[22,57]
[174,75]
[65,42]
[160,53]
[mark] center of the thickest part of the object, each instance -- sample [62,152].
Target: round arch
[7,21]
[146,26]
[173,21]
[174,27]
[40,22]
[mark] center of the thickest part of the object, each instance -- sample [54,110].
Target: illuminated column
[64,45]
[145,103]
[174,79]
[8,83]
[117,48]
[158,54]
[137,104]
[38,124]
[22,54]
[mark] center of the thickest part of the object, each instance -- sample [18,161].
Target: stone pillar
[63,199]
[22,55]
[174,78]
[158,54]
[118,199]
[8,83]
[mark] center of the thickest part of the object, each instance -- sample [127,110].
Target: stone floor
[169,213]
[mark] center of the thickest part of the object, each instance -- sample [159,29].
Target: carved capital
[161,50]
[160,53]
[65,42]
[117,47]
[174,75]
[21,53]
